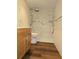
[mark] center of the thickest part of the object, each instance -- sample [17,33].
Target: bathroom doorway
[42,16]
[42,19]
[42,24]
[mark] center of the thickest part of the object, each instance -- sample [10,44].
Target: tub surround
[42,24]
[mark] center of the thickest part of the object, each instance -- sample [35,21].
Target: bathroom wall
[58,26]
[23,17]
[42,24]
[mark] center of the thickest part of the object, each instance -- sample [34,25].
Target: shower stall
[42,24]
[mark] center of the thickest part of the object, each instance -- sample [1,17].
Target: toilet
[34,38]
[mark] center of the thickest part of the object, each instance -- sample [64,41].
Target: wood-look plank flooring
[42,51]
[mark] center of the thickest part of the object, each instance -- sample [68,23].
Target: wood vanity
[23,41]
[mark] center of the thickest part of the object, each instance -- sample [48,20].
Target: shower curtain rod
[58,18]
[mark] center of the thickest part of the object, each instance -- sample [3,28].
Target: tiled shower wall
[42,23]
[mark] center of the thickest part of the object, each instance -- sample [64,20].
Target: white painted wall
[22,14]
[42,24]
[58,26]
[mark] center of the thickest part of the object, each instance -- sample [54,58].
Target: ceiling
[41,4]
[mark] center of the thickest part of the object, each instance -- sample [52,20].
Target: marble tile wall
[42,23]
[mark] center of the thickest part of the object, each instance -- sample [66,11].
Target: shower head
[36,10]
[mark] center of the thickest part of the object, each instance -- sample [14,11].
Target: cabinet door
[23,41]
[28,39]
[20,43]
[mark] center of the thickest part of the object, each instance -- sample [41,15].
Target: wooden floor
[42,51]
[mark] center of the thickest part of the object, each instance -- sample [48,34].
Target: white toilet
[34,38]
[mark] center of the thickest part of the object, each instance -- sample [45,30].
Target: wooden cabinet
[23,41]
